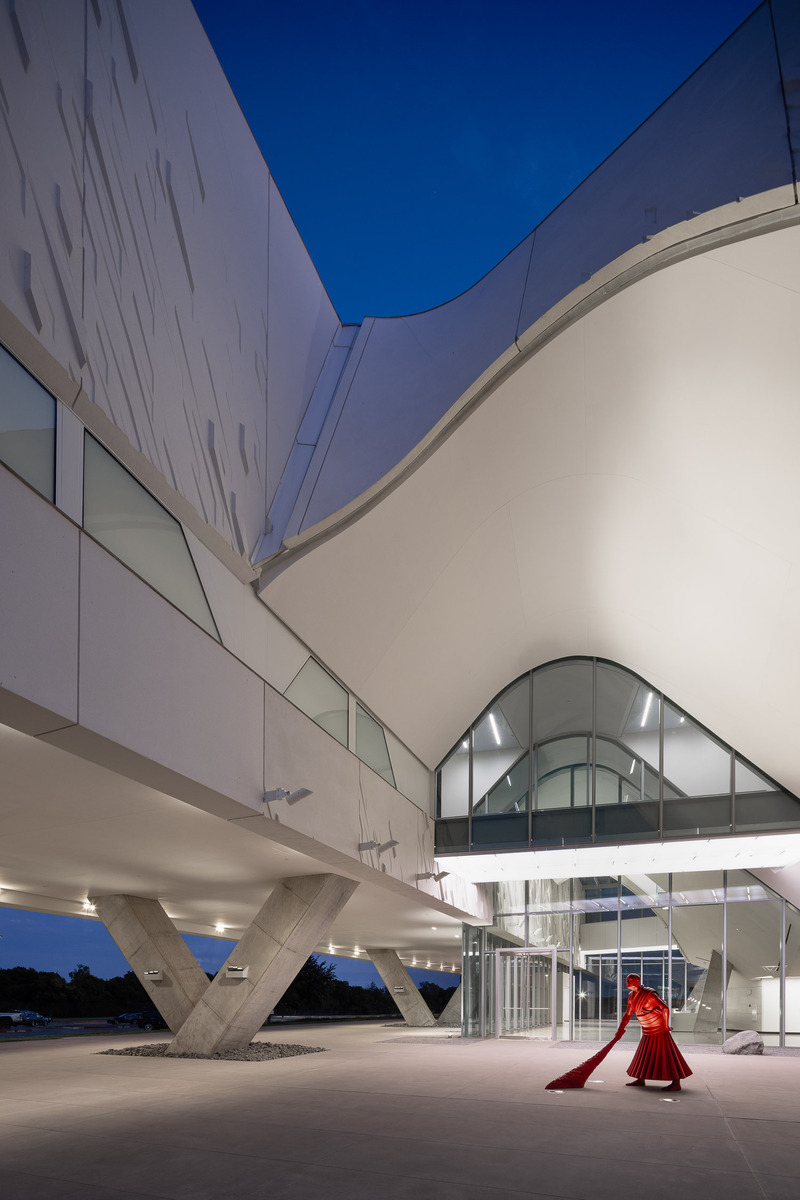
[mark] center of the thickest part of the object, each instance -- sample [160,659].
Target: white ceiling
[72,829]
[630,491]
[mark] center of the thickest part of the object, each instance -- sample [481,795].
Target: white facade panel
[154,683]
[39,551]
[410,372]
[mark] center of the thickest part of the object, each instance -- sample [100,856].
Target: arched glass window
[581,750]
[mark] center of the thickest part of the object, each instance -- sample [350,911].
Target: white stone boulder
[746,1042]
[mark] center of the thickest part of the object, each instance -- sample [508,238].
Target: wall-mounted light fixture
[435,875]
[381,847]
[153,976]
[284,794]
[237,972]
[88,907]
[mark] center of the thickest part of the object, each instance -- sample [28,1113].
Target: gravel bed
[255,1052]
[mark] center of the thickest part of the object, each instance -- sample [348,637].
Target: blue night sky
[52,943]
[415,143]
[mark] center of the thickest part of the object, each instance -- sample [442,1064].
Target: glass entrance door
[525,993]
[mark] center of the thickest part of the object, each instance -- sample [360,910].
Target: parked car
[124,1019]
[26,1017]
[9,1018]
[150,1020]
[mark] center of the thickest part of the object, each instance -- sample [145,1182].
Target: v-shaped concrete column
[271,952]
[150,942]
[402,988]
[451,1017]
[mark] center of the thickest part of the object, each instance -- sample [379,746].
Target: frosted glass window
[563,780]
[452,783]
[509,794]
[319,696]
[499,738]
[746,779]
[628,714]
[27,426]
[371,745]
[122,515]
[622,776]
[694,763]
[562,699]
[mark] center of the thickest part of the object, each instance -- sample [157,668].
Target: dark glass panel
[452,835]
[690,818]
[562,827]
[499,831]
[766,810]
[627,822]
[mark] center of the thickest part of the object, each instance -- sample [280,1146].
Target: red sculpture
[657,1056]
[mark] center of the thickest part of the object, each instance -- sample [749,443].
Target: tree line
[315,991]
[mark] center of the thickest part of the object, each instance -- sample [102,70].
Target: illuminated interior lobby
[464,640]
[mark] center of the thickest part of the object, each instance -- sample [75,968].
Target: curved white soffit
[746,218]
[630,491]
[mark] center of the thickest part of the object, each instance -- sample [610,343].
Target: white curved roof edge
[727,136]
[738,221]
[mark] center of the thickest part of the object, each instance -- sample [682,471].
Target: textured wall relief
[148,250]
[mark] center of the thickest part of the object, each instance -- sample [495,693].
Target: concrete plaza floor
[389,1113]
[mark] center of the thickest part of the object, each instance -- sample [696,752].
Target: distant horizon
[56,942]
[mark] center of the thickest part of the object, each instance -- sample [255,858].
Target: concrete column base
[151,943]
[402,988]
[272,950]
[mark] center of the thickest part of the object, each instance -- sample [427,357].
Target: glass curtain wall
[721,947]
[582,751]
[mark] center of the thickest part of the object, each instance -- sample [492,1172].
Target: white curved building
[264,573]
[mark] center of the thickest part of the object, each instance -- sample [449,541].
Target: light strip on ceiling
[699,854]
